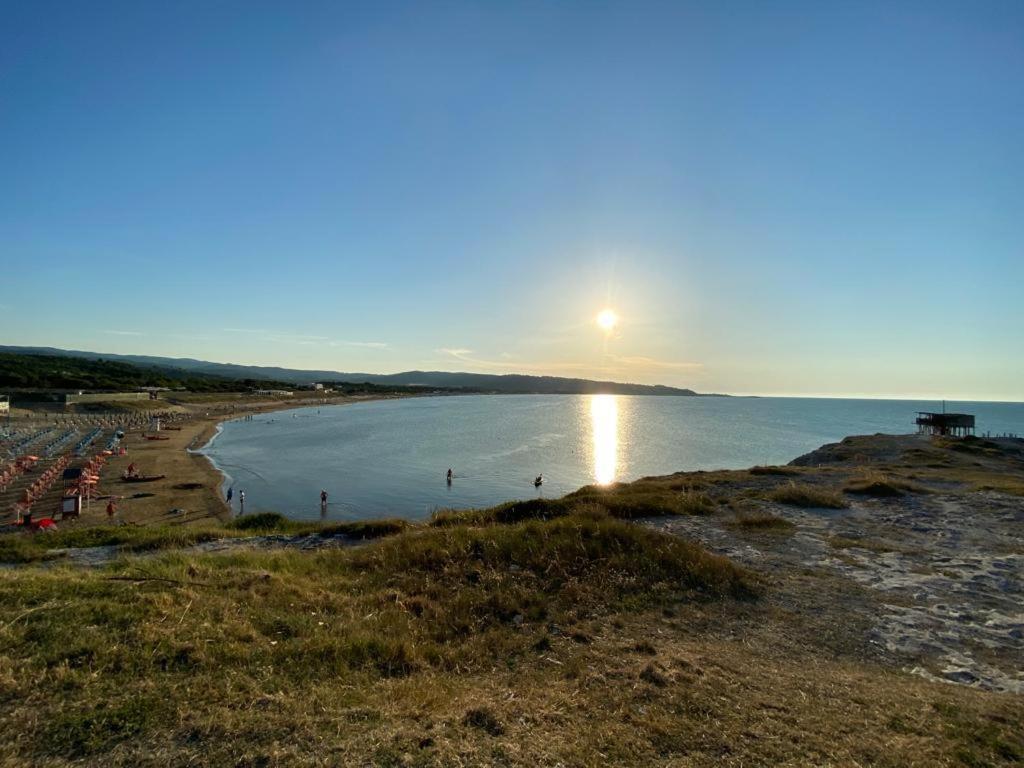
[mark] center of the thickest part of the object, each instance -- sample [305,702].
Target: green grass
[807,496]
[110,660]
[26,547]
[625,502]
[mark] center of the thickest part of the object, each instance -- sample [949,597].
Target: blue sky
[784,197]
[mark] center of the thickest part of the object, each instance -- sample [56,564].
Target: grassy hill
[479,382]
[31,371]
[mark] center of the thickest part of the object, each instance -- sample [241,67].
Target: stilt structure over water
[952,424]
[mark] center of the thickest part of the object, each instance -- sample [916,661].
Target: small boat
[143,478]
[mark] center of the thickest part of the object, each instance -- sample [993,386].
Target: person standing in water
[323,500]
[450,475]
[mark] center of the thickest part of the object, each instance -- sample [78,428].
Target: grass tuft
[625,502]
[807,496]
[882,487]
[773,470]
[484,719]
[760,521]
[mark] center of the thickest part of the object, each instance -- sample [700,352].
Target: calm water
[390,457]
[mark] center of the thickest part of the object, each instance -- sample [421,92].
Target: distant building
[5,404]
[314,387]
[273,392]
[953,424]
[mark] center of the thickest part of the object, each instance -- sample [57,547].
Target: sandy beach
[190,489]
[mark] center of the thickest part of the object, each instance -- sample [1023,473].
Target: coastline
[895,550]
[214,426]
[191,489]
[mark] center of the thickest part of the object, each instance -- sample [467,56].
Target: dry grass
[808,496]
[760,521]
[1001,484]
[880,485]
[625,502]
[467,656]
[26,547]
[774,470]
[148,664]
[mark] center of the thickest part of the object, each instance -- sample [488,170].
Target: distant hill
[484,382]
[38,371]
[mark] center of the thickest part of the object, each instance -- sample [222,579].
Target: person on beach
[231,492]
[111,508]
[241,502]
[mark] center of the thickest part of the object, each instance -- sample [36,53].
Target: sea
[389,458]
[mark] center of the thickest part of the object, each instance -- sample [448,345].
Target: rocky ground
[943,565]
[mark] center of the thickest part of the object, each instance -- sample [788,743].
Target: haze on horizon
[788,198]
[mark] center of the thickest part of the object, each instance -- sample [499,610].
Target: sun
[607,319]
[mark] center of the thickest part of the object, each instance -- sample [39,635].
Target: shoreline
[205,438]
[282,490]
[194,484]
[190,487]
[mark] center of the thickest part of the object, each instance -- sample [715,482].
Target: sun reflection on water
[604,420]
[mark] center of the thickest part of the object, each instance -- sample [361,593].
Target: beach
[189,490]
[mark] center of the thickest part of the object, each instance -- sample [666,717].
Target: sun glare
[604,424]
[607,319]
